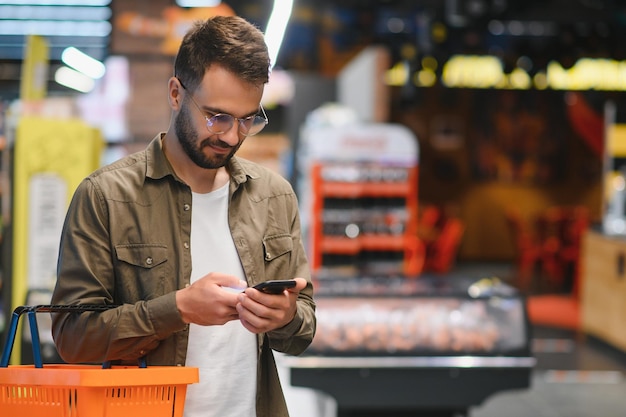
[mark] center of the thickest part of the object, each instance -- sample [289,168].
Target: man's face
[205,149]
[220,92]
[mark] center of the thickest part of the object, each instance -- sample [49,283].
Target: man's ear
[174,95]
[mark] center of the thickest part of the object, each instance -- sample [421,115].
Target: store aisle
[575,376]
[304,402]
[549,398]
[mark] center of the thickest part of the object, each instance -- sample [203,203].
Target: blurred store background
[466,155]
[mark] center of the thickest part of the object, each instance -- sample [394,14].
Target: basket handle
[31,311]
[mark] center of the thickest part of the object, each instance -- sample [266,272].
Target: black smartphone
[275,286]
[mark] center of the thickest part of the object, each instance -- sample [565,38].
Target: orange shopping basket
[65,390]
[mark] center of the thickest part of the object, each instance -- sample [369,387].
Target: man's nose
[232,136]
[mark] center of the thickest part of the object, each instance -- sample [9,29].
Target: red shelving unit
[396,209]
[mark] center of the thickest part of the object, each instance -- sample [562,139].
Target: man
[169,232]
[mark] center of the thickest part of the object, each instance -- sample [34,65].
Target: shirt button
[268,256]
[186,207]
[186,245]
[186,285]
[142,352]
[149,260]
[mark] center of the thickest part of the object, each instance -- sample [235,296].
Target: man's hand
[208,301]
[260,313]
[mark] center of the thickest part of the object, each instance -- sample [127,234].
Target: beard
[188,139]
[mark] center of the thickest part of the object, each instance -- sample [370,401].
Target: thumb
[301,284]
[231,281]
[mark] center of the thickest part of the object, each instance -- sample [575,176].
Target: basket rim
[96,376]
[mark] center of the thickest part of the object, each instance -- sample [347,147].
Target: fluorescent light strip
[59,2]
[55,28]
[276,26]
[198,3]
[54,13]
[74,80]
[83,63]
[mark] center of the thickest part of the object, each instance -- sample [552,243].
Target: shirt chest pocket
[142,269]
[276,246]
[145,256]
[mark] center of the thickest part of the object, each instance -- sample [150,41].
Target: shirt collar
[157,164]
[241,170]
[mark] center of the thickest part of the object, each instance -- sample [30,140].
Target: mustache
[217,143]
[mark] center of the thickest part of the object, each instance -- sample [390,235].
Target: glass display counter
[427,346]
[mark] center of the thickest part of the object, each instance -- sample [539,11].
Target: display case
[428,346]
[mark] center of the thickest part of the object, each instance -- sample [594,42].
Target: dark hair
[229,41]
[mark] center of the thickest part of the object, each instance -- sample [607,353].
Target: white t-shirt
[225,355]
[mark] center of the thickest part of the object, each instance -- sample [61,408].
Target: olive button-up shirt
[126,242]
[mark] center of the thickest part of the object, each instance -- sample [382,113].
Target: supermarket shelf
[350,246]
[365,189]
[342,199]
[317,362]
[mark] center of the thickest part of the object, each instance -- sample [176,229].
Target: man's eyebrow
[215,110]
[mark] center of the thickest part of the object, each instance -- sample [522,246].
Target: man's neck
[200,180]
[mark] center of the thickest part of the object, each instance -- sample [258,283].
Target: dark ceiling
[539,29]
[323,33]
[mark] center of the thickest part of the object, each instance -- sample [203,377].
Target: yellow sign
[35,69]
[486,71]
[616,141]
[51,158]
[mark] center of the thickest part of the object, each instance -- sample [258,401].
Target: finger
[301,284]
[229,281]
[269,306]
[234,282]
[260,305]
[250,327]
[252,322]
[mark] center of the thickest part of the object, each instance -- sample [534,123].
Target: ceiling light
[198,3]
[276,26]
[59,2]
[31,12]
[55,28]
[74,80]
[83,63]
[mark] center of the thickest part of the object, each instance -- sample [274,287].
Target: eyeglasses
[222,122]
